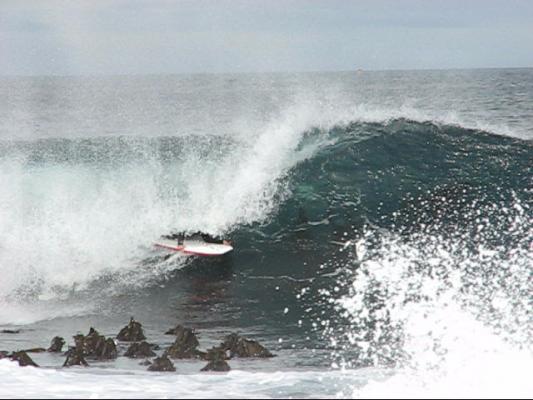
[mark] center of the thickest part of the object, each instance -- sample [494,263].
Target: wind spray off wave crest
[73,210]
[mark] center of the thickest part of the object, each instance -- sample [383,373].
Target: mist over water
[382,224]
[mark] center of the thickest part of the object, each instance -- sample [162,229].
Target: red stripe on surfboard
[166,246]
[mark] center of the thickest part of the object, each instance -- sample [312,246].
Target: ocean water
[382,221]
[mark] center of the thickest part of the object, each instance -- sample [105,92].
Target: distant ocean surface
[382,222]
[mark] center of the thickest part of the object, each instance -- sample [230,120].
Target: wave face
[88,206]
[393,245]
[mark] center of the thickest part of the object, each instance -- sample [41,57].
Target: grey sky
[162,36]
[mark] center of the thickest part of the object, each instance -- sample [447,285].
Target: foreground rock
[140,350]
[23,359]
[185,346]
[216,366]
[4,354]
[96,346]
[244,348]
[133,332]
[56,346]
[217,361]
[162,364]
[75,357]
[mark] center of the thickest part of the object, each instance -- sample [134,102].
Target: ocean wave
[75,210]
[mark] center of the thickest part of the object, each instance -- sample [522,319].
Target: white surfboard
[194,247]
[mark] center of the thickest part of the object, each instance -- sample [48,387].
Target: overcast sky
[161,36]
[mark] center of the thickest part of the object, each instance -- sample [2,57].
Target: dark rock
[145,363]
[4,354]
[35,350]
[217,366]
[133,332]
[186,344]
[96,346]
[217,360]
[216,353]
[93,340]
[23,359]
[75,357]
[162,364]
[56,346]
[10,331]
[106,350]
[140,350]
[242,347]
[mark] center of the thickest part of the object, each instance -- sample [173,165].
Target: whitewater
[382,221]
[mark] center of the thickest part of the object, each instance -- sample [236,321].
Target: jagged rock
[133,332]
[23,359]
[75,357]
[242,347]
[217,360]
[106,350]
[162,364]
[35,350]
[140,350]
[216,366]
[216,353]
[56,346]
[10,331]
[145,363]
[96,346]
[93,340]
[185,345]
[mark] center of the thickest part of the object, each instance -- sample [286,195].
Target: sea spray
[447,314]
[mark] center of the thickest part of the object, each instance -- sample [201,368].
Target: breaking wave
[416,236]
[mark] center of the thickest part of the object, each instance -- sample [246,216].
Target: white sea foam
[456,322]
[16,382]
[64,225]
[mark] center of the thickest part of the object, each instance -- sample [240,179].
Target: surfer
[200,236]
[214,239]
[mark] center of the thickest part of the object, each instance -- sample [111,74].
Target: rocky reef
[23,359]
[140,350]
[239,346]
[133,332]
[56,345]
[186,344]
[98,348]
[217,361]
[75,358]
[162,364]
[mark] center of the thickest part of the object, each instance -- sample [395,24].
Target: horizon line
[266,72]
